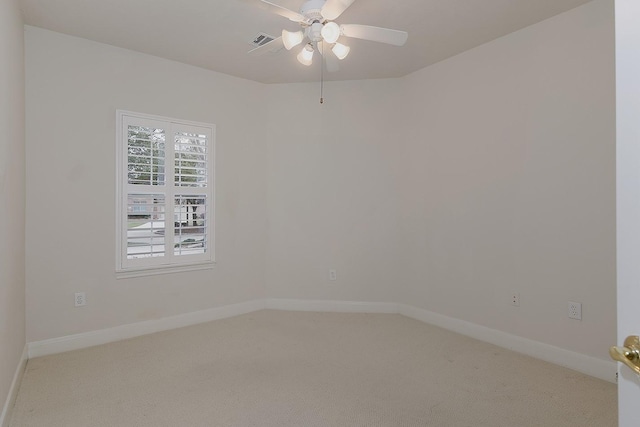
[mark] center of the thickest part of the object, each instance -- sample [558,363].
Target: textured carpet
[274,368]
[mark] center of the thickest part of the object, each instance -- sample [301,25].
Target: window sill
[125,274]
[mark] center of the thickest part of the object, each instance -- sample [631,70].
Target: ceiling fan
[319,31]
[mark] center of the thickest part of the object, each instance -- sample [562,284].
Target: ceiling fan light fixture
[340,50]
[291,39]
[305,57]
[330,32]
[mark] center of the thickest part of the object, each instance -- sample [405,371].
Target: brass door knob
[629,354]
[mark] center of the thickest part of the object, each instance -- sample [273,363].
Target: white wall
[333,196]
[74,87]
[510,183]
[12,184]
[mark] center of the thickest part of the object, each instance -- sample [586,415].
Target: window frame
[169,262]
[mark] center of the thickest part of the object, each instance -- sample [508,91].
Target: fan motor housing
[314,32]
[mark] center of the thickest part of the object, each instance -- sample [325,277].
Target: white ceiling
[215,34]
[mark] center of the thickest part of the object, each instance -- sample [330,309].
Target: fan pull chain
[322,75]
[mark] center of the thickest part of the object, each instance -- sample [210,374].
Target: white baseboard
[104,336]
[5,416]
[330,306]
[588,365]
[118,333]
[592,366]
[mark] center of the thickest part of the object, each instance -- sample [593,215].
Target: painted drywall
[74,87]
[333,197]
[509,157]
[12,187]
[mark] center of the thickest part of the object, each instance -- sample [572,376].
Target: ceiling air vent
[261,39]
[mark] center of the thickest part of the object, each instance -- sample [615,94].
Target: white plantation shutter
[190,235]
[146,239]
[145,154]
[190,150]
[165,193]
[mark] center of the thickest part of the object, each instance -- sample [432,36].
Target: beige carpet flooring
[275,368]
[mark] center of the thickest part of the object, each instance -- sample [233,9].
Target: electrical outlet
[333,275]
[80,299]
[515,299]
[575,310]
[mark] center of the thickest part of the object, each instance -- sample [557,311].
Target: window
[164,194]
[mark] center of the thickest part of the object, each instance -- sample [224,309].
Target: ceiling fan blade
[282,11]
[376,34]
[330,60]
[272,46]
[334,8]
